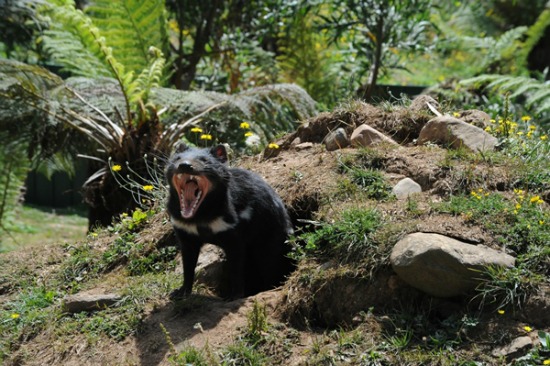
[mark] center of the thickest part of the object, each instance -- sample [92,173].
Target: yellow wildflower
[527,328]
[518,206]
[116,168]
[273,146]
[525,118]
[244,125]
[544,137]
[15,316]
[488,129]
[532,128]
[541,222]
[536,199]
[148,187]
[500,311]
[520,133]
[546,362]
[206,137]
[456,114]
[248,134]
[196,130]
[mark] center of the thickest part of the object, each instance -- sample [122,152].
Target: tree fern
[14,166]
[536,92]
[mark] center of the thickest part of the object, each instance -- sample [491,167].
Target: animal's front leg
[236,258]
[190,250]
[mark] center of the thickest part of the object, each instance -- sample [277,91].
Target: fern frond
[535,33]
[537,93]
[132,27]
[150,77]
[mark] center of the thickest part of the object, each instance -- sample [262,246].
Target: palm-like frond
[132,27]
[536,92]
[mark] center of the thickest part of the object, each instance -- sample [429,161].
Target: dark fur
[240,213]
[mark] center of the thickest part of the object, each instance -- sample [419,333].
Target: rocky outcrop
[455,133]
[441,266]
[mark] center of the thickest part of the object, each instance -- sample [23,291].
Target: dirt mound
[362,297]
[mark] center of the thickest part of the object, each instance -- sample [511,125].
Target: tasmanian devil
[232,208]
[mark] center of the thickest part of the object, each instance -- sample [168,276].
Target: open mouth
[191,191]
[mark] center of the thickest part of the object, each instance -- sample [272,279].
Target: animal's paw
[179,294]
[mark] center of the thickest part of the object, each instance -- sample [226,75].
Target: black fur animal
[232,208]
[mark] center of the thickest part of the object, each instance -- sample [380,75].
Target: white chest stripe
[216,226]
[219,225]
[189,228]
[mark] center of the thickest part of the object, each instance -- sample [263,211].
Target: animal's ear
[180,147]
[220,153]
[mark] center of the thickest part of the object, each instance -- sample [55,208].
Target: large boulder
[454,133]
[442,266]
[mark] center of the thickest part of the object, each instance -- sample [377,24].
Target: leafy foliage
[378,29]
[537,92]
[14,166]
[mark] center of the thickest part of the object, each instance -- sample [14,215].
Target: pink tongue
[189,197]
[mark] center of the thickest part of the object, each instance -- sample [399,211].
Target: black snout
[185,167]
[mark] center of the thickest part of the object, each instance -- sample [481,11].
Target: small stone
[304,146]
[405,187]
[365,135]
[518,347]
[420,104]
[89,302]
[336,139]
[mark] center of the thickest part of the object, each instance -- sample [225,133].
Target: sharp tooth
[179,175]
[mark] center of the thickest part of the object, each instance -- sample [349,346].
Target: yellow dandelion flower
[544,137]
[456,114]
[525,118]
[15,316]
[532,128]
[541,222]
[518,206]
[520,133]
[206,137]
[546,362]
[488,129]
[500,311]
[493,121]
[147,187]
[536,199]
[273,146]
[244,125]
[527,328]
[248,134]
[196,130]
[116,168]
[94,235]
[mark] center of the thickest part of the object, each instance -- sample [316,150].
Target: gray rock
[365,135]
[336,139]
[211,269]
[406,187]
[454,133]
[420,104]
[304,146]
[88,302]
[441,266]
[518,347]
[475,117]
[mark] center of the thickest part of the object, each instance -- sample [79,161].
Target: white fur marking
[219,225]
[246,214]
[188,228]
